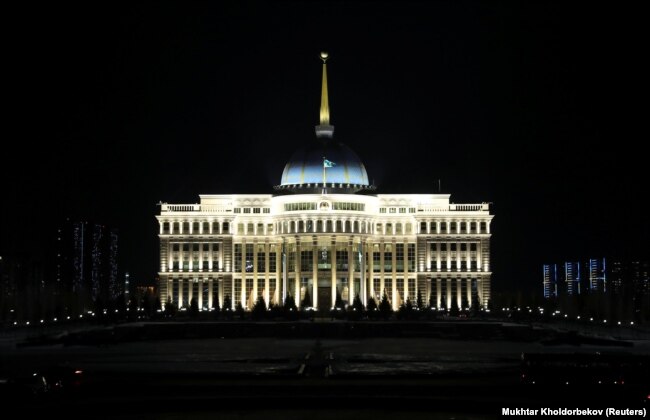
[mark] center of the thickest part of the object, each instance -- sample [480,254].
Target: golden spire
[324,103]
[324,129]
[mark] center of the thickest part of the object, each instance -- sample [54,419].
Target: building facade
[324,234]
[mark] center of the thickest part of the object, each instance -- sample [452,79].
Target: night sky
[533,106]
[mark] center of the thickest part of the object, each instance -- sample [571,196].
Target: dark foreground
[444,373]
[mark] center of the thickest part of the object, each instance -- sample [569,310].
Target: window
[206,228]
[238,288]
[306,260]
[411,257]
[402,209]
[342,259]
[273,260]
[247,210]
[452,227]
[388,257]
[382,210]
[463,246]
[423,227]
[472,246]
[463,227]
[175,227]
[433,247]
[291,257]
[249,291]
[349,206]
[249,258]
[411,209]
[165,227]
[443,227]
[454,265]
[473,265]
[266,210]
[453,247]
[225,227]
[463,265]
[186,247]
[256,210]
[399,258]
[195,247]
[376,258]
[238,256]
[186,227]
[299,206]
[411,291]
[483,227]
[392,210]
[237,209]
[443,247]
[261,259]
[176,247]
[324,259]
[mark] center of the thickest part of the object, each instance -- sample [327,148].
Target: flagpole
[324,190]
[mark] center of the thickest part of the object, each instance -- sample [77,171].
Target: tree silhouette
[227,303]
[290,309]
[306,300]
[385,308]
[454,310]
[170,307]
[338,303]
[418,300]
[259,309]
[194,308]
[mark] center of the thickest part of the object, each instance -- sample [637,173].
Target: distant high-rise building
[550,280]
[598,274]
[572,277]
[86,261]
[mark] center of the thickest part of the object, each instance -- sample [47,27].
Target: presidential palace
[325,232]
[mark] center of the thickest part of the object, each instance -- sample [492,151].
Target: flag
[328,163]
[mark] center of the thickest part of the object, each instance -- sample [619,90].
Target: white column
[210,293]
[200,299]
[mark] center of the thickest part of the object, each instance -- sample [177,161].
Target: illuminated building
[325,233]
[598,274]
[86,261]
[550,280]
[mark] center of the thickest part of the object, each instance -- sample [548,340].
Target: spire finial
[324,129]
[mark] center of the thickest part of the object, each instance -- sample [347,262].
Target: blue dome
[306,166]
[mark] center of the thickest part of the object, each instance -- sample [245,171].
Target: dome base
[331,188]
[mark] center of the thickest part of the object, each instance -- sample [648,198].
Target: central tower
[324,164]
